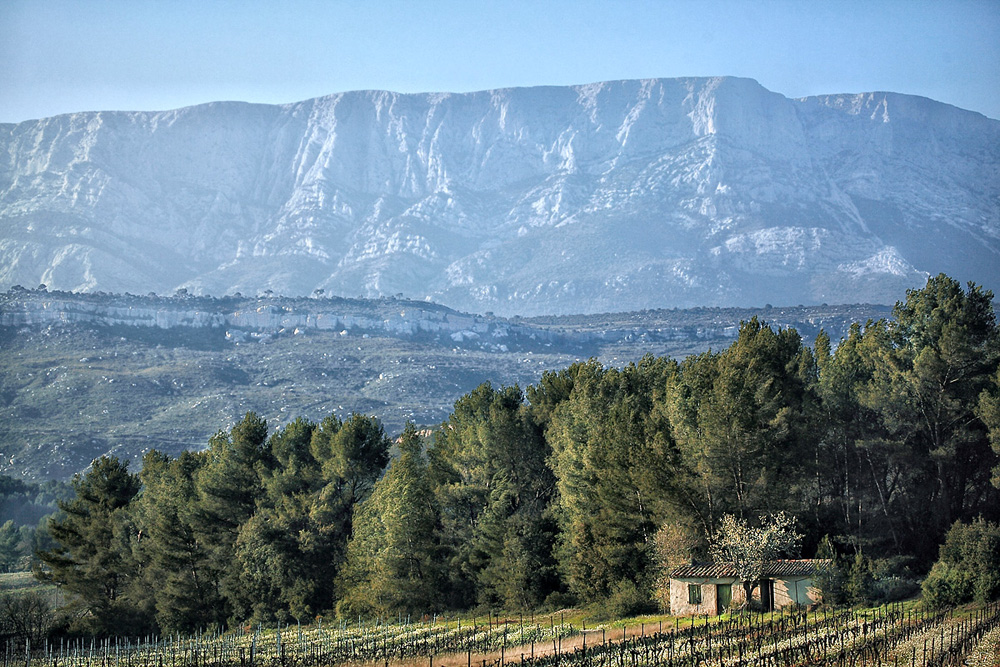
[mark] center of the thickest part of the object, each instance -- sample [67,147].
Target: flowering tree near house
[749,549]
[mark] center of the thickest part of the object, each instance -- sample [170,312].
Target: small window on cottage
[694,594]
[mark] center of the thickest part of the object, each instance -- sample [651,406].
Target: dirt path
[515,653]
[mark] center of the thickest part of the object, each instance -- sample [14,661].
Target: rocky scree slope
[605,197]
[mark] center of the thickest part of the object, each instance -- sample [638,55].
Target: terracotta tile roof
[779,568]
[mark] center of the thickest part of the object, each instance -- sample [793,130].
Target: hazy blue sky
[60,56]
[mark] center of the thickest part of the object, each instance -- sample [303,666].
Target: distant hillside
[87,374]
[611,196]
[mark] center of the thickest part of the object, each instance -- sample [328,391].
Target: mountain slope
[90,374]
[610,196]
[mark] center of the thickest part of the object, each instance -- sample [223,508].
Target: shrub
[626,600]
[968,567]
[860,585]
[831,580]
[946,586]
[862,581]
[894,580]
[559,600]
[893,589]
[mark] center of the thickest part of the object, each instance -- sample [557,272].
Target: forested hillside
[581,488]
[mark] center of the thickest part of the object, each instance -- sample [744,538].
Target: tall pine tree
[178,571]
[393,560]
[94,560]
[229,486]
[494,488]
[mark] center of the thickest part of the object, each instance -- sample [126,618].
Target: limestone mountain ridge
[604,197]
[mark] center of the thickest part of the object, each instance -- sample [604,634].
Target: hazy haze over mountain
[604,197]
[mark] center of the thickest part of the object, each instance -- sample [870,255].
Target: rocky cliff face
[606,197]
[246,319]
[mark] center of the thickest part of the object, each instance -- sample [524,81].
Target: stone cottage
[714,588]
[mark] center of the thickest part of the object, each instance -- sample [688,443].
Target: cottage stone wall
[679,605]
[795,590]
[791,590]
[791,582]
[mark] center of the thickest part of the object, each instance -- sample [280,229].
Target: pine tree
[862,477]
[292,549]
[179,572]
[10,542]
[989,412]
[393,564]
[614,461]
[94,559]
[494,488]
[229,487]
[744,423]
[274,573]
[945,349]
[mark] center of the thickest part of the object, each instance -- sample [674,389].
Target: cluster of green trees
[254,526]
[582,489]
[25,508]
[969,567]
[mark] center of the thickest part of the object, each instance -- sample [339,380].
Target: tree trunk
[748,587]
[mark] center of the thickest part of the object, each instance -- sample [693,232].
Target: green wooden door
[724,597]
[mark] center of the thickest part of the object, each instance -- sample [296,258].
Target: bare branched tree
[25,616]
